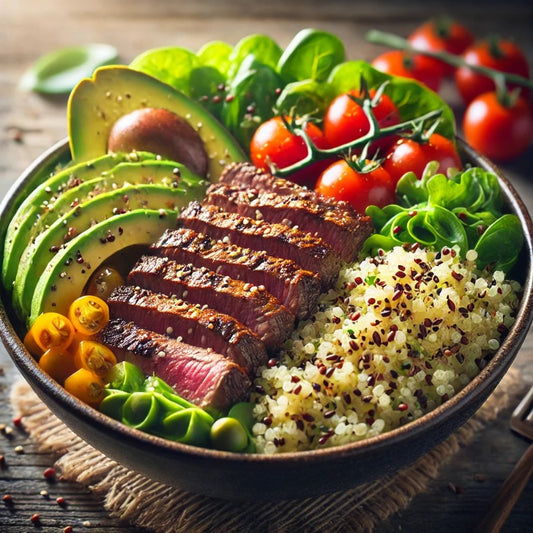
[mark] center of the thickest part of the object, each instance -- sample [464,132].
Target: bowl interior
[249,476]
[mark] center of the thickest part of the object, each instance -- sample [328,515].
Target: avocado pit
[162,132]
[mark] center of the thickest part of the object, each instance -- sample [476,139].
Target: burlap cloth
[131,497]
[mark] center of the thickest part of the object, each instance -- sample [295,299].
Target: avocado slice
[169,173]
[67,274]
[97,103]
[79,219]
[37,203]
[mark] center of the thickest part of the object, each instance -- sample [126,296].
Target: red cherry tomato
[345,120]
[498,54]
[500,131]
[360,189]
[416,67]
[442,34]
[408,155]
[274,143]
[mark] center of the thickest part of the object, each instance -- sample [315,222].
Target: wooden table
[30,123]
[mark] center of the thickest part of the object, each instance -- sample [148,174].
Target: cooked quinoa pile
[398,335]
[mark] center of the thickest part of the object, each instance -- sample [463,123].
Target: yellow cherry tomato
[103,281]
[31,345]
[86,386]
[89,314]
[58,363]
[52,330]
[95,357]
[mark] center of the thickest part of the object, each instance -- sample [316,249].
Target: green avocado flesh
[96,103]
[79,219]
[38,203]
[66,275]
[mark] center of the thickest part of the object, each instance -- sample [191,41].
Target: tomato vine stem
[395,41]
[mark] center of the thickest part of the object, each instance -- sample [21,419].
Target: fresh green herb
[463,210]
[59,71]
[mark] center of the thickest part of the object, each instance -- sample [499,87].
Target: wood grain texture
[458,499]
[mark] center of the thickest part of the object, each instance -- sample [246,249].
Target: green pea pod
[113,403]
[157,385]
[141,411]
[187,426]
[126,377]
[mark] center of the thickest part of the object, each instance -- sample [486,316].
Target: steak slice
[257,309]
[194,324]
[339,226]
[308,251]
[199,375]
[295,288]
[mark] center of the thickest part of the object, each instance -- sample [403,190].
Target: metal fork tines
[522,417]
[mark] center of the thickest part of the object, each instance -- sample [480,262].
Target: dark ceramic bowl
[260,477]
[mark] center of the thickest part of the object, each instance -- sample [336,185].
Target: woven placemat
[132,497]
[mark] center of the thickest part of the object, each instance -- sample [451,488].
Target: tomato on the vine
[413,66]
[345,120]
[500,130]
[440,34]
[274,143]
[499,54]
[360,187]
[410,155]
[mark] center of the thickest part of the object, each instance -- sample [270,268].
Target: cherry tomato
[86,386]
[499,130]
[51,330]
[361,189]
[408,155]
[103,281]
[274,143]
[58,363]
[95,357]
[345,121]
[416,67]
[498,54]
[89,314]
[441,34]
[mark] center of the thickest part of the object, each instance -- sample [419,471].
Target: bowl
[262,477]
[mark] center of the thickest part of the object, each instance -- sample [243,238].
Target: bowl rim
[479,385]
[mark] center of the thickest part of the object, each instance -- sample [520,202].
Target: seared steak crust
[308,251]
[255,308]
[339,226]
[194,324]
[199,375]
[296,288]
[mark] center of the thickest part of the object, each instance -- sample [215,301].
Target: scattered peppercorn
[50,474]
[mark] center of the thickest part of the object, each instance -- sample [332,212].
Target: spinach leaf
[263,48]
[171,65]
[216,54]
[312,54]
[306,97]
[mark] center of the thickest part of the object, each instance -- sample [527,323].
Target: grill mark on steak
[196,325]
[199,375]
[257,309]
[308,251]
[339,226]
[296,288]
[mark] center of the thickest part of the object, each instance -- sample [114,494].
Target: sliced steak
[339,225]
[199,375]
[257,309]
[194,324]
[294,287]
[308,251]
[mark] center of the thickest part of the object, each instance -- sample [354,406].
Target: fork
[507,496]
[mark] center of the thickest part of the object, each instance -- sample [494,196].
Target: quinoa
[397,336]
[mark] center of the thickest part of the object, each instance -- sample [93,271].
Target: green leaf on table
[59,71]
